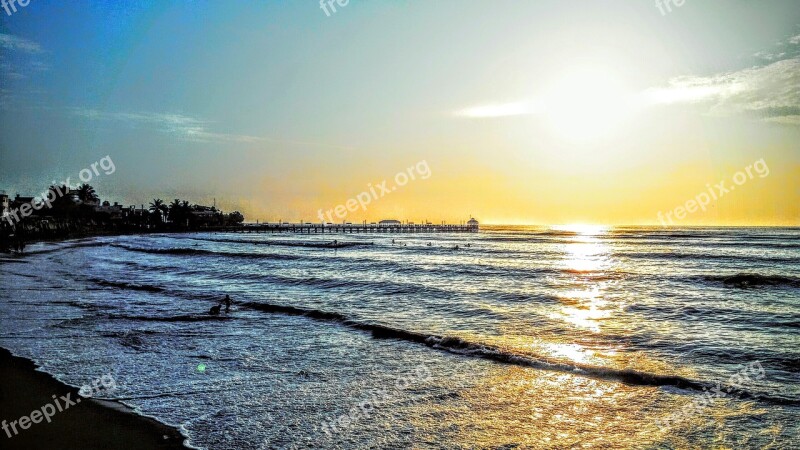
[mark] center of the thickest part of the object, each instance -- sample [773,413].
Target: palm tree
[87,194]
[158,209]
[156,205]
[63,200]
[175,212]
[186,209]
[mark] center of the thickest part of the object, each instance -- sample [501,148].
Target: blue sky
[277,109]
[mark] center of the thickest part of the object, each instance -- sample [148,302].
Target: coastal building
[389,222]
[473,224]
[115,211]
[205,215]
[4,204]
[20,200]
[140,214]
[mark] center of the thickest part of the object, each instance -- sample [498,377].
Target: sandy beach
[89,424]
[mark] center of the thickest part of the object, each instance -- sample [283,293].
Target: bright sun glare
[586,104]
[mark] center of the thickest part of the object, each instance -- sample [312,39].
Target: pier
[311,228]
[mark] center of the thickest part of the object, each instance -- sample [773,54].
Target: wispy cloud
[18,57]
[786,49]
[185,127]
[771,91]
[498,110]
[16,43]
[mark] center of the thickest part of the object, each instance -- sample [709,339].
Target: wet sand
[88,424]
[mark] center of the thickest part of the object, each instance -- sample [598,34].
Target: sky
[519,112]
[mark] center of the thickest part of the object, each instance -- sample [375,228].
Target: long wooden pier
[310,228]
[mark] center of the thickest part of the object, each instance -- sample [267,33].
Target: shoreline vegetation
[79,213]
[89,424]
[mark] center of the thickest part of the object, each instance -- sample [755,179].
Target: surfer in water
[227,302]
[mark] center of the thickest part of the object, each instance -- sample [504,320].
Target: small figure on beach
[227,302]
[214,311]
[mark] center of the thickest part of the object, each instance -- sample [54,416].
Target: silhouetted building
[4,204]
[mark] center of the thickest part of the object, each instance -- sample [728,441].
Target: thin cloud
[786,49]
[186,128]
[498,110]
[23,53]
[16,43]
[770,92]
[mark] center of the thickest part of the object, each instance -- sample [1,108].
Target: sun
[587,103]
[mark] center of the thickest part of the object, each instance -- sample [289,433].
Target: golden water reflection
[588,257]
[515,407]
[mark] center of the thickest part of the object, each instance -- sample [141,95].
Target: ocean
[521,337]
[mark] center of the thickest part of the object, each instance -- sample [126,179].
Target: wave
[181,318]
[752,319]
[13,260]
[123,285]
[460,346]
[333,244]
[701,256]
[66,246]
[745,280]
[371,265]
[179,251]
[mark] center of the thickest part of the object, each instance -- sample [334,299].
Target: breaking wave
[744,280]
[466,348]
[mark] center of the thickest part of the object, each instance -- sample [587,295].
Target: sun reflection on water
[588,257]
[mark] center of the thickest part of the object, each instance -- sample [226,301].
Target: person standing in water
[227,302]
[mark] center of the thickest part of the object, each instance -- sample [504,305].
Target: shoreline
[92,424]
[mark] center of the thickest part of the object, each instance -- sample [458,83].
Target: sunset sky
[526,112]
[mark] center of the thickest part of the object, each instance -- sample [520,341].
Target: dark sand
[90,424]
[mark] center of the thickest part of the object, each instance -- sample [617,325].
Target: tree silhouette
[158,210]
[175,211]
[87,194]
[63,204]
[236,217]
